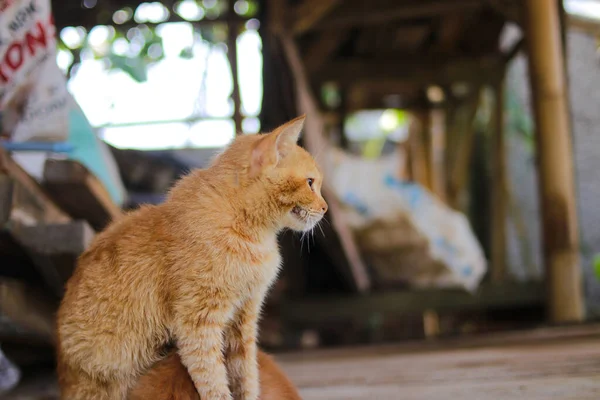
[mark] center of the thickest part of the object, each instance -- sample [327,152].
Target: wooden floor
[544,364]
[537,366]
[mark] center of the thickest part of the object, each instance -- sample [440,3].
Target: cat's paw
[214,395]
[248,394]
[220,396]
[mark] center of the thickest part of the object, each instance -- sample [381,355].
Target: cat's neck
[250,212]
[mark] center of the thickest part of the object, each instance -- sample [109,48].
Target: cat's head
[275,165]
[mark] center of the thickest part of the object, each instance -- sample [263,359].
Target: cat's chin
[300,220]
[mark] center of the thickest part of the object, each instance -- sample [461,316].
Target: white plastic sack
[373,194]
[34,100]
[9,374]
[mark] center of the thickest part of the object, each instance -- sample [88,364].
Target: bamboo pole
[438,149]
[423,128]
[460,172]
[555,170]
[498,199]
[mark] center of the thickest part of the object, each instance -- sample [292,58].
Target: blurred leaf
[136,67]
[252,9]
[597,266]
[187,53]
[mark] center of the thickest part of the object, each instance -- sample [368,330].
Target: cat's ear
[276,145]
[264,154]
[288,135]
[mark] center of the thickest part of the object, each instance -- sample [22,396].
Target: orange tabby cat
[194,270]
[168,380]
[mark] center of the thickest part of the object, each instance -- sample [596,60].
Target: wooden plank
[545,334]
[6,197]
[317,144]
[561,370]
[30,204]
[462,161]
[507,295]
[424,119]
[310,12]
[438,153]
[321,50]
[232,35]
[27,309]
[560,230]
[418,156]
[54,248]
[79,192]
[367,13]
[586,25]
[498,228]
[427,70]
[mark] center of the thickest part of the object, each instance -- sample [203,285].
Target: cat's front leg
[200,344]
[241,352]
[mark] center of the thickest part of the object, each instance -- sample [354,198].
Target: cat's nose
[324,207]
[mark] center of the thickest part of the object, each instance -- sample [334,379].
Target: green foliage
[518,121]
[596,266]
[144,45]
[133,66]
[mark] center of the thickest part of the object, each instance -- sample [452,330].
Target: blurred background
[458,140]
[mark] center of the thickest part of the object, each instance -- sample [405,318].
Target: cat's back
[127,243]
[123,265]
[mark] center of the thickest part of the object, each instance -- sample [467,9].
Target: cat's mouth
[300,213]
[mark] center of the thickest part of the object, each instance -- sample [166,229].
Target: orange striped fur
[168,380]
[193,270]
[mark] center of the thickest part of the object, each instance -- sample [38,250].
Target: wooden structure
[434,58]
[543,364]
[40,242]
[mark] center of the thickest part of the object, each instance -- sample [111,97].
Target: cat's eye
[310,182]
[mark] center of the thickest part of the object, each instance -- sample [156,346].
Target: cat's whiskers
[320,227]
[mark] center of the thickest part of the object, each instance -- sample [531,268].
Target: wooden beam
[6,198]
[586,25]
[514,50]
[413,302]
[54,249]
[418,157]
[450,32]
[417,71]
[27,310]
[232,35]
[555,168]
[79,192]
[368,14]
[321,50]
[30,203]
[462,161]
[438,151]
[310,12]
[424,121]
[317,144]
[498,232]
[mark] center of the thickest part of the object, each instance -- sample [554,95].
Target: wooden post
[555,168]
[417,153]
[460,172]
[423,116]
[232,35]
[438,149]
[498,198]
[317,144]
